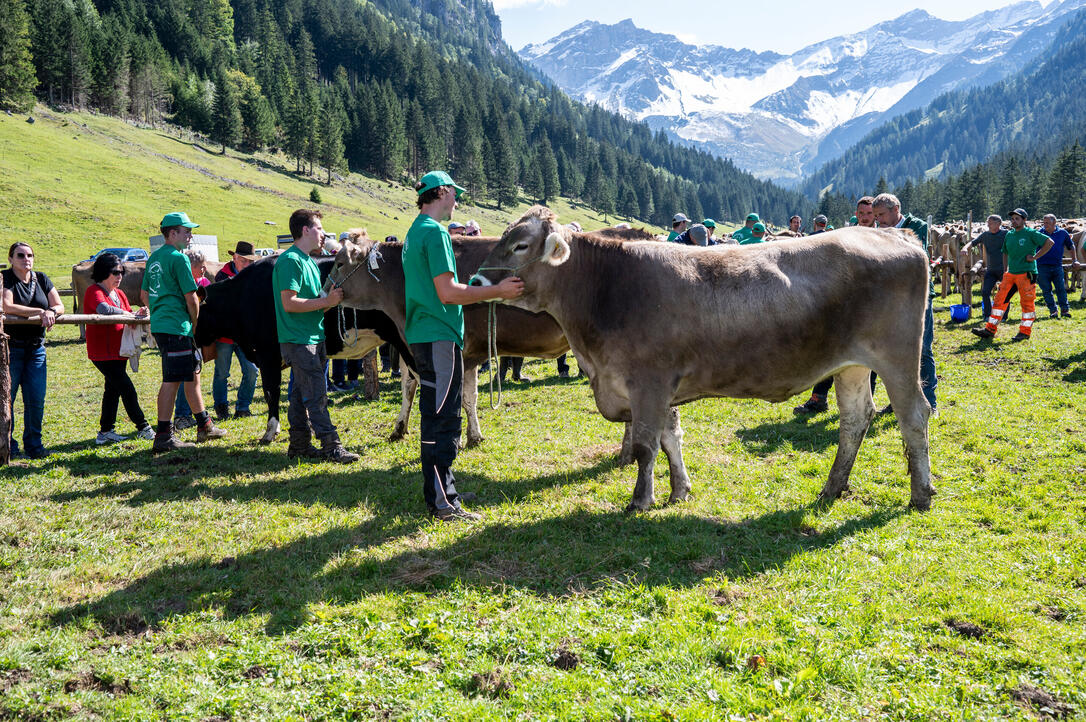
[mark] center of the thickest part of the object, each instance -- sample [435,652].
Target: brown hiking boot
[169,442]
[303,452]
[209,431]
[339,455]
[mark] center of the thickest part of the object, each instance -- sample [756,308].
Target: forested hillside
[1040,111]
[389,88]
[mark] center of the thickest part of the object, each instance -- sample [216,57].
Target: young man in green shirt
[679,224]
[435,332]
[1021,248]
[169,291]
[743,234]
[299,319]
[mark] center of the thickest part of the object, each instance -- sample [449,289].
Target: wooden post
[371,388]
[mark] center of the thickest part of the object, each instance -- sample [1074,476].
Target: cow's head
[358,270]
[529,246]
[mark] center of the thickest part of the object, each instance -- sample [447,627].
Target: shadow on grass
[1075,375]
[805,433]
[569,553]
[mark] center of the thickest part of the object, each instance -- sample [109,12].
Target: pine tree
[257,118]
[503,179]
[548,169]
[17,81]
[226,112]
[330,132]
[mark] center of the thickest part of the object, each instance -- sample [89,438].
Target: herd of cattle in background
[374,313]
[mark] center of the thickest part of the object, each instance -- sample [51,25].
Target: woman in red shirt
[105,297]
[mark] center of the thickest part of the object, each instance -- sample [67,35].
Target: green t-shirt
[672,236]
[1019,244]
[742,235]
[167,278]
[750,240]
[295,271]
[428,253]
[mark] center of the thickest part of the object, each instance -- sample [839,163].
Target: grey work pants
[308,406]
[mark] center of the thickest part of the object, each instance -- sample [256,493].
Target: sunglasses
[117,272]
[24,255]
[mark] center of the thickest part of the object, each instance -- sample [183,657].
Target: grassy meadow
[230,583]
[74,183]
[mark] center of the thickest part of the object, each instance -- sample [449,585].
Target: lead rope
[492,352]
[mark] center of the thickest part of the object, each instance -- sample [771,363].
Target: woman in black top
[28,293]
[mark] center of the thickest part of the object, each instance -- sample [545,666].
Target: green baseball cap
[753,217]
[436,179]
[853,221]
[177,219]
[709,223]
[757,228]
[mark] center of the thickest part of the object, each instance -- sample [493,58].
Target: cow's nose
[477,280]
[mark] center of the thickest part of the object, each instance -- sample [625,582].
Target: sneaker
[184,422]
[453,514]
[339,455]
[239,414]
[146,433]
[209,431]
[109,437]
[169,442]
[983,332]
[1019,337]
[812,405]
[1066,314]
[222,412]
[336,388]
[303,452]
[1053,315]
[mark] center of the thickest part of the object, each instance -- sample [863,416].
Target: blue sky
[780,25]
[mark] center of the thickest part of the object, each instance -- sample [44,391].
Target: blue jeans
[1047,276]
[928,379]
[28,373]
[222,376]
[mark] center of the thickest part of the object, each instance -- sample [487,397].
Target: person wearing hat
[710,227]
[300,304]
[757,235]
[695,235]
[1021,248]
[820,223]
[169,290]
[679,224]
[744,233]
[456,229]
[435,332]
[242,257]
[472,228]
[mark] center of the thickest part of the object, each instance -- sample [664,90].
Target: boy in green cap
[743,234]
[757,235]
[169,291]
[435,333]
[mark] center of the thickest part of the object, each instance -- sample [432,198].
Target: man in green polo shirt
[757,235]
[435,332]
[299,319]
[743,234]
[169,291]
[1021,248]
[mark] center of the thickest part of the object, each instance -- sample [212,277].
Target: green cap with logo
[436,179]
[753,217]
[177,219]
[709,223]
[757,228]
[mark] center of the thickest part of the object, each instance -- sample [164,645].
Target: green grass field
[74,183]
[230,583]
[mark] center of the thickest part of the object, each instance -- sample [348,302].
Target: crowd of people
[1018,258]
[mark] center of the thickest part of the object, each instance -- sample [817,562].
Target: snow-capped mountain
[781,116]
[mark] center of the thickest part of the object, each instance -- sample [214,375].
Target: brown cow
[519,333]
[659,325]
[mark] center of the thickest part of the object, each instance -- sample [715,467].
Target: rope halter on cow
[373,259]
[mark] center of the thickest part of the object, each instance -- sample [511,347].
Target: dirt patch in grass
[417,569]
[707,565]
[503,569]
[966,629]
[257,671]
[599,451]
[725,597]
[495,684]
[1041,701]
[129,624]
[97,682]
[13,678]
[565,659]
[1056,614]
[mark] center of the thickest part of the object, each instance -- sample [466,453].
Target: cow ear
[555,249]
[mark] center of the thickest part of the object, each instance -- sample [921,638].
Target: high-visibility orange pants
[1027,290]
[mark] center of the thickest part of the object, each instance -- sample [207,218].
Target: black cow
[242,309]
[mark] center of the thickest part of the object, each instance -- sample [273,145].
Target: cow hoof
[265,439]
[396,435]
[624,459]
[473,442]
[634,507]
[270,431]
[678,498]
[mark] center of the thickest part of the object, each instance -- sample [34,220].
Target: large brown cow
[519,333]
[658,325]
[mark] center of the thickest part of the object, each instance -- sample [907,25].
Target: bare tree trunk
[5,397]
[371,389]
